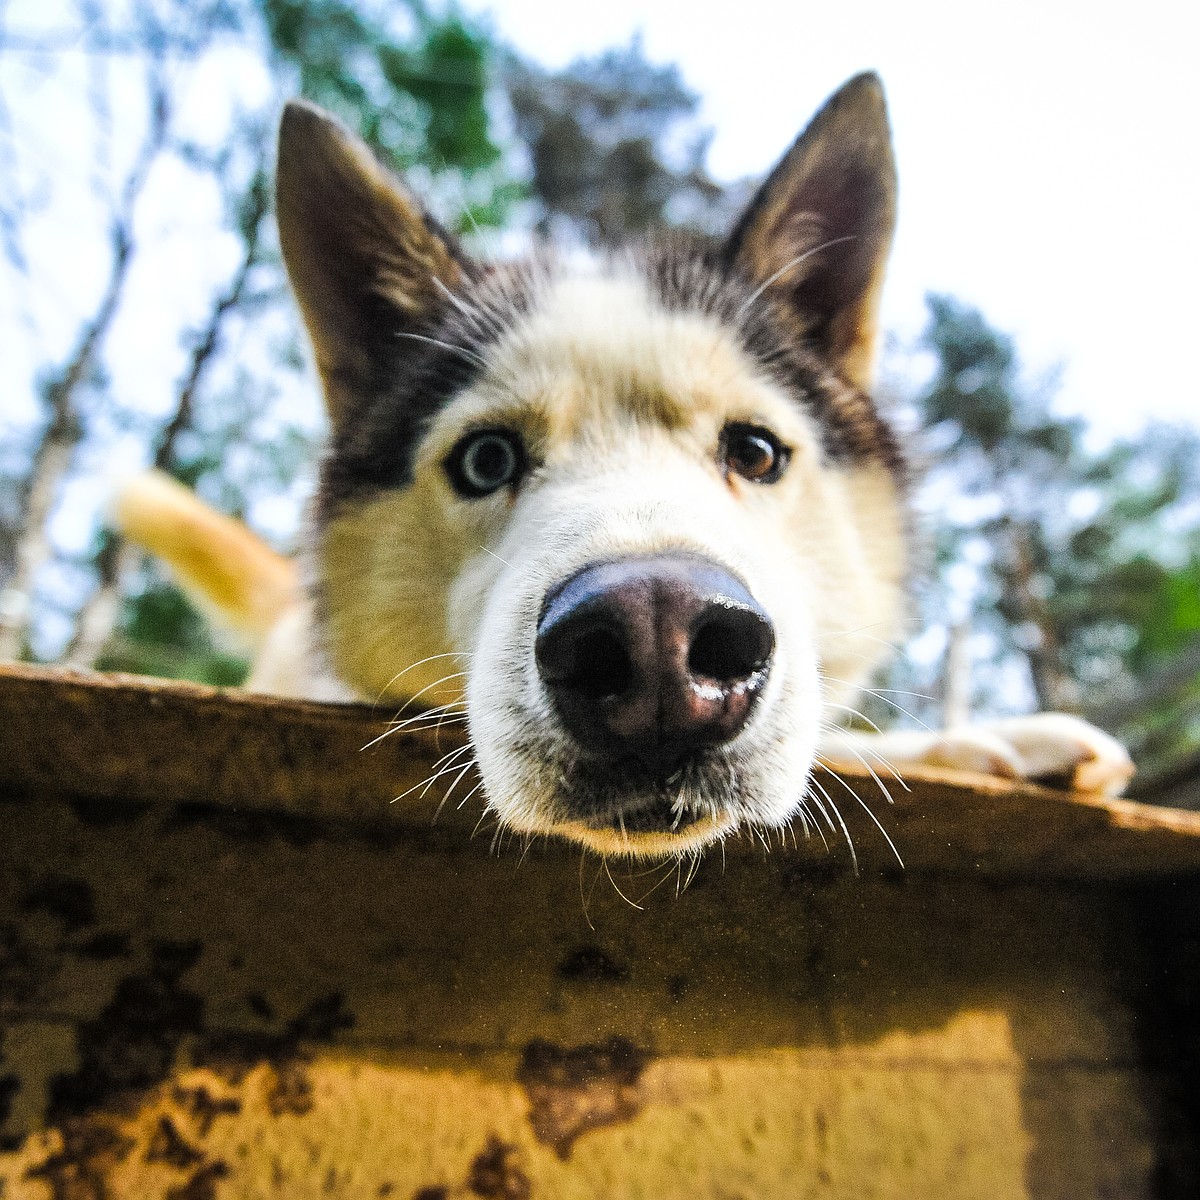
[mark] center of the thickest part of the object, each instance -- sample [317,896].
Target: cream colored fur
[619,401]
[622,402]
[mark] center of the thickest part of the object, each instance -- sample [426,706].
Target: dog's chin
[614,842]
[627,810]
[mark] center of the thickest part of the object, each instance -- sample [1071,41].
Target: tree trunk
[956,677]
[52,458]
[1056,691]
[98,616]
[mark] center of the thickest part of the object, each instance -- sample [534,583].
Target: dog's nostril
[731,646]
[653,658]
[584,656]
[601,665]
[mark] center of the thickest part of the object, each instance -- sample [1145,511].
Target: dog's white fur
[620,399]
[616,484]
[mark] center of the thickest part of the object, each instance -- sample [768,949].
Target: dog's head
[642,504]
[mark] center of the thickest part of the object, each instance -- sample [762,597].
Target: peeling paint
[204,1107]
[286,1053]
[88,1150]
[592,964]
[169,1146]
[133,1043]
[10,1085]
[573,1090]
[496,1173]
[25,968]
[70,901]
[202,1185]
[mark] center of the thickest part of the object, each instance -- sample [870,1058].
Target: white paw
[1054,747]
[1060,746]
[970,748]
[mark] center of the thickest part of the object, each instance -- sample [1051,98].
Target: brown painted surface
[132,740]
[219,1000]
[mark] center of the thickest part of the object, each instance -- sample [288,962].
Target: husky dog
[638,516]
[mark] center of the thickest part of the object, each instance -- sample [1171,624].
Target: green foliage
[161,633]
[975,381]
[1078,567]
[612,144]
[416,95]
[448,75]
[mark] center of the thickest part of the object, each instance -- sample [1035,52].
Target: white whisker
[867,809]
[420,663]
[469,355]
[488,550]
[617,889]
[837,813]
[853,736]
[904,712]
[787,267]
[437,774]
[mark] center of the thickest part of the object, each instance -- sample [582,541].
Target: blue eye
[485,461]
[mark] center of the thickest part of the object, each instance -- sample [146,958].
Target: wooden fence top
[119,739]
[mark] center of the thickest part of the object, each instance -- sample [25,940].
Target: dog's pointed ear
[816,236]
[365,261]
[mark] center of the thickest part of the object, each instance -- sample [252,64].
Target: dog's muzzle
[648,660]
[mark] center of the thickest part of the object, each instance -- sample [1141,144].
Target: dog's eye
[753,452]
[485,461]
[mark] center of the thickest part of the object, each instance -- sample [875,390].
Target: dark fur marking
[697,276]
[373,450]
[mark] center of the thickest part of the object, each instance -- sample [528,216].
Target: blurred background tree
[415,86]
[1065,570]
[614,147]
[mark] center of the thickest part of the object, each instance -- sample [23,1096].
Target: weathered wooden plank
[236,1006]
[230,968]
[122,739]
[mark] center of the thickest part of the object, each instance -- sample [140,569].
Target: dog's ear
[365,261]
[817,234]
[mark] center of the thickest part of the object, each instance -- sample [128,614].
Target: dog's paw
[1052,748]
[1064,749]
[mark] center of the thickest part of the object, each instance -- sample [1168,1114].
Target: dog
[637,516]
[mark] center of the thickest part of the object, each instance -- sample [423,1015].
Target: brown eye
[753,452]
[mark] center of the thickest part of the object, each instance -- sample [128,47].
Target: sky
[1049,161]
[1049,157]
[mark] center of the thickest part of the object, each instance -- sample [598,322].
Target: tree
[416,88]
[614,147]
[1076,567]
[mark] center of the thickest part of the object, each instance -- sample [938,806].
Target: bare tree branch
[99,614]
[257,203]
[56,447]
[1056,691]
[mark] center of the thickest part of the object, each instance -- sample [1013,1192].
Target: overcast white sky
[1049,155]
[1049,173]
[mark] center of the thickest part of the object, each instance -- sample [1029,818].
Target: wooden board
[125,739]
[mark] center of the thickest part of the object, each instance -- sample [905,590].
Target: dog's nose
[651,658]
